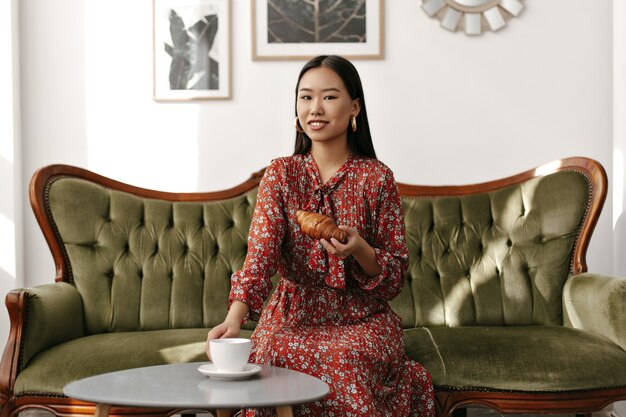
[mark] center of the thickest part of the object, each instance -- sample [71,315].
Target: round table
[182,386]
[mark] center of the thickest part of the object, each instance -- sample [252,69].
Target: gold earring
[298,128]
[353,122]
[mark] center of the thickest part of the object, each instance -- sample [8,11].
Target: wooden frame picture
[191,50]
[302,29]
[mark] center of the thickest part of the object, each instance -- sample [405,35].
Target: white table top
[183,386]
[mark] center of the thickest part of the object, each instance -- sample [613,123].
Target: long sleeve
[252,284]
[389,243]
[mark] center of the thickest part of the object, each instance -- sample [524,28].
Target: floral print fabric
[327,317]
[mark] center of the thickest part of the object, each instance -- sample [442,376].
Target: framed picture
[302,29]
[191,49]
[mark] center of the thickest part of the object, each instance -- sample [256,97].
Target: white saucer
[210,370]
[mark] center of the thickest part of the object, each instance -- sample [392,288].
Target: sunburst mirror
[473,16]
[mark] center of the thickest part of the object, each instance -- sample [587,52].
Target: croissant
[320,226]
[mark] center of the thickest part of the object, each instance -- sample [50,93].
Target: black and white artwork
[191,49]
[301,29]
[294,21]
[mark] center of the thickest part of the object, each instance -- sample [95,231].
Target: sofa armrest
[597,304]
[41,317]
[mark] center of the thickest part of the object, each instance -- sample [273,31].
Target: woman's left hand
[341,250]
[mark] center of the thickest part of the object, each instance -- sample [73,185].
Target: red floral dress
[327,318]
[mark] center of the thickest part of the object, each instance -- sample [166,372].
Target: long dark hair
[359,142]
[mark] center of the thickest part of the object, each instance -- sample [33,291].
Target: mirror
[473,16]
[473,3]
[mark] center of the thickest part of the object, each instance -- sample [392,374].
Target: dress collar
[333,181]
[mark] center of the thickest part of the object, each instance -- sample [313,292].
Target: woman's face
[324,105]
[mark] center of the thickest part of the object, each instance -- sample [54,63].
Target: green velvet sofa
[497,304]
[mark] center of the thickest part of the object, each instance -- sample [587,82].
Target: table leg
[285,411]
[102,410]
[223,413]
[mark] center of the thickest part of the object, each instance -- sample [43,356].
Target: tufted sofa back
[493,254]
[495,258]
[148,264]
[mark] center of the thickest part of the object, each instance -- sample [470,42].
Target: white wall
[619,134]
[619,152]
[444,108]
[11,266]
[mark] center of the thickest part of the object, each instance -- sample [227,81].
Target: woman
[329,316]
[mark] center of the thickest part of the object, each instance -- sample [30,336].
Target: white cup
[230,354]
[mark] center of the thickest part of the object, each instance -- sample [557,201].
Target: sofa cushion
[527,358]
[51,370]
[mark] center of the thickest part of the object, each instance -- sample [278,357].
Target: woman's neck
[329,157]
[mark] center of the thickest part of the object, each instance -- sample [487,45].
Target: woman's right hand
[231,327]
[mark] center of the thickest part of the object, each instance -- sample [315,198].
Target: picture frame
[294,30]
[191,50]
